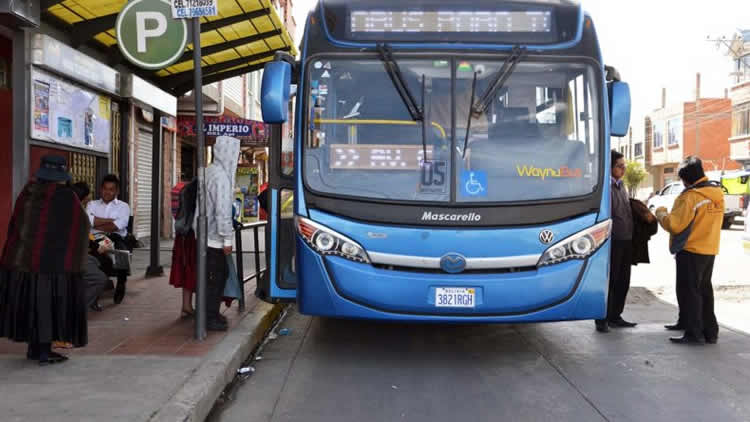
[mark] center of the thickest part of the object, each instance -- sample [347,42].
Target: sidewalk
[141,363]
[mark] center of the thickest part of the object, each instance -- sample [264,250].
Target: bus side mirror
[619,103]
[275,91]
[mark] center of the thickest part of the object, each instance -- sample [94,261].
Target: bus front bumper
[336,287]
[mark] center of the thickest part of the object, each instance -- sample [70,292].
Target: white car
[666,197]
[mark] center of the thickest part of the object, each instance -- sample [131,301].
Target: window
[674,131]
[743,69]
[539,138]
[547,100]
[638,148]
[741,120]
[658,136]
[3,74]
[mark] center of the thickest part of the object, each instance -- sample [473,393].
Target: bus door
[279,283]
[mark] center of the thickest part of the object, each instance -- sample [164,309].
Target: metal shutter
[144,157]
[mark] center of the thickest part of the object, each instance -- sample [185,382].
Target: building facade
[739,93]
[66,91]
[673,132]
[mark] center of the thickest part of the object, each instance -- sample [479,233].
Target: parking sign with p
[148,36]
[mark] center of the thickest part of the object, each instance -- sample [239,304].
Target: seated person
[110,216]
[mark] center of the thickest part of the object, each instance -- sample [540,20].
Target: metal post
[240,266]
[697,115]
[200,294]
[256,251]
[154,268]
[124,152]
[20,83]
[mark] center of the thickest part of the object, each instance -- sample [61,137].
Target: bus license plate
[454,297]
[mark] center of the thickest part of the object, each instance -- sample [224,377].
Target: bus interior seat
[516,131]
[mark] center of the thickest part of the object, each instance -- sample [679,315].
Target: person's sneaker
[216,324]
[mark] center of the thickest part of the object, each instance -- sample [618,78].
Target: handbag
[232,288]
[120,260]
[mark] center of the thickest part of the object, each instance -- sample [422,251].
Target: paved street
[334,370]
[337,370]
[731,276]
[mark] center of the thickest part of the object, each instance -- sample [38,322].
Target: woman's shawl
[48,232]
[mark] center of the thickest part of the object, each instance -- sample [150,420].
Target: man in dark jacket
[622,249]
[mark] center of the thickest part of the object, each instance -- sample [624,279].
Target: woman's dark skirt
[42,308]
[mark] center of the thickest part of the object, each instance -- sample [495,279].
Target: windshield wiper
[497,83]
[477,109]
[468,124]
[394,72]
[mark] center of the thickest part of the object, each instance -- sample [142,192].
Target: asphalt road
[731,276]
[335,370]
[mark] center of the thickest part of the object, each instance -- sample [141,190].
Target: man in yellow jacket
[695,228]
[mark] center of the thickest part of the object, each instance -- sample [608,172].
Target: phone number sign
[185,9]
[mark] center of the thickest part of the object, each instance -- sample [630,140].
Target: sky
[655,44]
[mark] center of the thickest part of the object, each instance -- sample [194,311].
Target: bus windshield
[538,139]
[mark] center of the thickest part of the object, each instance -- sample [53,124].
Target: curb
[195,399]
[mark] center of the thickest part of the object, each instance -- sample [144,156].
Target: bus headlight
[327,242]
[579,246]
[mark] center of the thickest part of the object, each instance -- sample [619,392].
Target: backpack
[186,204]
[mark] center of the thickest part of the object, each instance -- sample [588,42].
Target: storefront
[72,109]
[152,110]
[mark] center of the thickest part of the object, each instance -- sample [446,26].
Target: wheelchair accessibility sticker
[473,183]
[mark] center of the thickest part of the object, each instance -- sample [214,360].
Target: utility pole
[697,114]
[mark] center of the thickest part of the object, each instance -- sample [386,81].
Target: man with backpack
[695,228]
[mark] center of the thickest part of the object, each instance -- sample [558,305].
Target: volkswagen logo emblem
[546,236]
[453,263]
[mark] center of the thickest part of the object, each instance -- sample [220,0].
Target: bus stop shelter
[240,39]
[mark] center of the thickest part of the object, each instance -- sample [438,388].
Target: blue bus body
[361,242]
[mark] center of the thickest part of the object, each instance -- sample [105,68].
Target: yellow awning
[245,35]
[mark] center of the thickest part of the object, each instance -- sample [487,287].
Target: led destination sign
[383,21]
[376,157]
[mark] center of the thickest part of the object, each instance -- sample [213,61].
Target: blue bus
[449,162]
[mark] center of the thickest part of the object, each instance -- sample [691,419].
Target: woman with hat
[42,294]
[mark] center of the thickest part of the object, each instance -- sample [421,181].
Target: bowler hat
[53,168]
